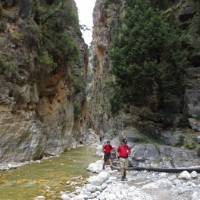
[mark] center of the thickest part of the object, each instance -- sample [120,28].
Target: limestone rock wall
[106,19]
[38,103]
[107,15]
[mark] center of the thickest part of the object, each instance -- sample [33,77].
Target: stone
[184,175]
[146,152]
[96,167]
[91,188]
[194,174]
[65,197]
[191,100]
[195,195]
[163,175]
[198,139]
[194,124]
[159,184]
[42,198]
[172,177]
[90,137]
[99,179]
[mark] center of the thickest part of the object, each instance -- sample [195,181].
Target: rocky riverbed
[143,185]
[107,185]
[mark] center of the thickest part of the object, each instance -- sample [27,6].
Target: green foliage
[197,117]
[61,9]
[190,145]
[7,64]
[45,59]
[148,59]
[77,111]
[57,46]
[2,26]
[181,141]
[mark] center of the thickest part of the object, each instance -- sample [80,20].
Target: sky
[85,10]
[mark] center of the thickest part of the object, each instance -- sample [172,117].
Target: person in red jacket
[124,151]
[107,148]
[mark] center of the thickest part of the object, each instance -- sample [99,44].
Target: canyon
[46,107]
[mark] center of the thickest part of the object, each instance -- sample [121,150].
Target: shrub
[56,41]
[181,140]
[191,145]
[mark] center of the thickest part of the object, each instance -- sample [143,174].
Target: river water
[47,178]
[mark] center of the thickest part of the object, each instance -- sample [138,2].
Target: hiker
[107,148]
[124,151]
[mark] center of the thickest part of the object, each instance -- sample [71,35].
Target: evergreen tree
[148,60]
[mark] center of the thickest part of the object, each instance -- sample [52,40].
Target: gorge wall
[178,109]
[43,68]
[106,20]
[43,75]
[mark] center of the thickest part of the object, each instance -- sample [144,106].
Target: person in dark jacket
[107,148]
[124,151]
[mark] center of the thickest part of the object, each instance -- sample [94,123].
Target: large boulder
[99,179]
[192,97]
[145,151]
[194,174]
[194,124]
[96,167]
[184,175]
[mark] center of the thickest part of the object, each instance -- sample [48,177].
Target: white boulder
[194,174]
[65,197]
[185,175]
[99,179]
[195,196]
[91,188]
[162,184]
[96,167]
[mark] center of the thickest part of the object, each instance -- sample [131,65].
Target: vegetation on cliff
[43,61]
[150,55]
[56,42]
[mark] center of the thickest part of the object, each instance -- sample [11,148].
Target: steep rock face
[107,16]
[189,17]
[41,81]
[106,19]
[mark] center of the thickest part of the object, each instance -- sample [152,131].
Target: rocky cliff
[43,67]
[106,20]
[184,108]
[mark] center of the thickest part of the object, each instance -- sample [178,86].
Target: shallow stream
[47,178]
